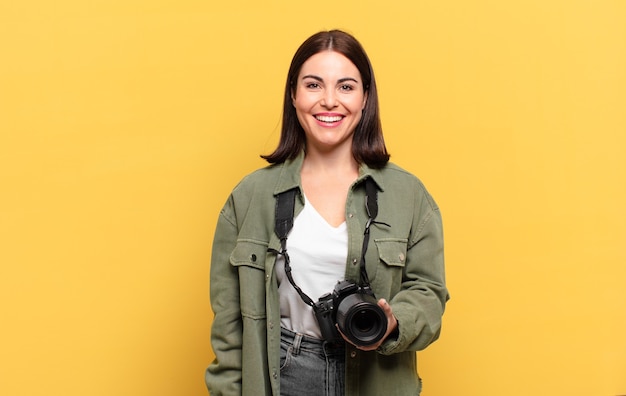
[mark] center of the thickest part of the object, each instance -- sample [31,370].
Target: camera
[354,310]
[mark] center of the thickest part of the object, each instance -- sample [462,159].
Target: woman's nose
[329,100]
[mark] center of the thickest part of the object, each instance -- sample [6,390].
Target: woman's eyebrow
[320,79]
[342,80]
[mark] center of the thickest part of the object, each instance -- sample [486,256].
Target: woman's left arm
[418,307]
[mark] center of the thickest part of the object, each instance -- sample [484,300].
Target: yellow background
[125,124]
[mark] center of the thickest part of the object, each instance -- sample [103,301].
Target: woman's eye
[312,85]
[346,87]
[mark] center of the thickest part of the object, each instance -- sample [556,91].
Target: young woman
[358,220]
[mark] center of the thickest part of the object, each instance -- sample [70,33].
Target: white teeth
[328,118]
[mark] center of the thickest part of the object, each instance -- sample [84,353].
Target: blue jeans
[309,366]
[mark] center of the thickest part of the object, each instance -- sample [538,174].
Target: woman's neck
[326,180]
[333,164]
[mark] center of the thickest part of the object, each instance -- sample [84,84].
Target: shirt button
[353,354]
[350,215]
[354,261]
[401,256]
[274,375]
[271,325]
[267,277]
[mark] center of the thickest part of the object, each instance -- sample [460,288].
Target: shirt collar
[289,177]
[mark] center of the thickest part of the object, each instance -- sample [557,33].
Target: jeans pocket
[285,355]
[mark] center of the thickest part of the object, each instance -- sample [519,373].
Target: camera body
[354,310]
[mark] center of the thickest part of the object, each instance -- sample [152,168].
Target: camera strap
[283,223]
[371,206]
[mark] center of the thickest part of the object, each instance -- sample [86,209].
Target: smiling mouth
[328,119]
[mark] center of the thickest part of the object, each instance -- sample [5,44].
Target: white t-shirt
[318,254]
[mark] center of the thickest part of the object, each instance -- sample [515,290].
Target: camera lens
[361,320]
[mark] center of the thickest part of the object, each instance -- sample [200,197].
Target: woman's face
[329,99]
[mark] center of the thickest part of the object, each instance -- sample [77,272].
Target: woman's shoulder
[393,173]
[398,180]
[259,179]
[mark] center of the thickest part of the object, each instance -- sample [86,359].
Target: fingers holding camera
[392,325]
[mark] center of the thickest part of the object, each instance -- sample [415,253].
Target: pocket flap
[392,251]
[249,253]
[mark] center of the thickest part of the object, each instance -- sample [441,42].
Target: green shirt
[404,262]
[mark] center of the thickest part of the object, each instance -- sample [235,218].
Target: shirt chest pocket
[248,259]
[392,259]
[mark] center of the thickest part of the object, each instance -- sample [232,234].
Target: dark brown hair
[368,145]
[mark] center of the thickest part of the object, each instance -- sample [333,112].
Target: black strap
[371,205]
[285,203]
[283,223]
[371,198]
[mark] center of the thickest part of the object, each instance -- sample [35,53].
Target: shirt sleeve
[223,376]
[420,304]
